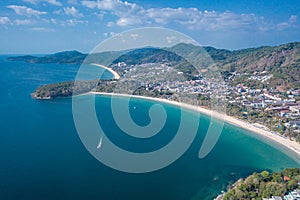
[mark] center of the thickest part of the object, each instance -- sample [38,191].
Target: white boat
[100,143]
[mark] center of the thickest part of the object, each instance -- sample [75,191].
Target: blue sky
[47,26]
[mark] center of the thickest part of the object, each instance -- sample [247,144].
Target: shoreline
[285,142]
[115,74]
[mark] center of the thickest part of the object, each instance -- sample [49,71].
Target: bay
[42,156]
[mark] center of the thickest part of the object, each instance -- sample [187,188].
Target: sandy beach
[291,145]
[115,74]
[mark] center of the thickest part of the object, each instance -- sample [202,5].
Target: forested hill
[71,57]
[265,185]
[282,62]
[250,60]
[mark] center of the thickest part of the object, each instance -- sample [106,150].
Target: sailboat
[100,143]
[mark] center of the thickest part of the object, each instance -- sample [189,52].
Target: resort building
[294,195]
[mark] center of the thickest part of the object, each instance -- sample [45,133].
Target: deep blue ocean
[42,157]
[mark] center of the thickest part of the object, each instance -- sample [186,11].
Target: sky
[48,26]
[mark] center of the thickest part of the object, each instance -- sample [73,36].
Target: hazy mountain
[71,57]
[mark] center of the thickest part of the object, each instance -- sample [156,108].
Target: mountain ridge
[282,61]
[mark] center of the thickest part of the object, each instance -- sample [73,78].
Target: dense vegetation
[69,88]
[264,185]
[282,61]
[64,89]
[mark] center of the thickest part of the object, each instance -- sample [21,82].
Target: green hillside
[281,62]
[265,185]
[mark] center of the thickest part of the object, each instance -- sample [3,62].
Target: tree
[265,175]
[273,189]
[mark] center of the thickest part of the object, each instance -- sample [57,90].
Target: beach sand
[115,74]
[285,142]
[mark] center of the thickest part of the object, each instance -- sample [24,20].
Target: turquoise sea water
[42,157]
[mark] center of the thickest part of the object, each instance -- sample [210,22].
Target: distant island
[262,84]
[266,185]
[70,57]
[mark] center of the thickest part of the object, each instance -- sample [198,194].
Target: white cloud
[291,22]
[57,12]
[4,20]
[73,12]
[42,29]
[111,34]
[103,4]
[166,15]
[74,22]
[22,22]
[53,21]
[133,14]
[129,14]
[73,2]
[31,1]
[99,15]
[125,21]
[117,7]
[53,2]
[170,39]
[89,4]
[202,20]
[110,24]
[135,36]
[23,10]
[293,18]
